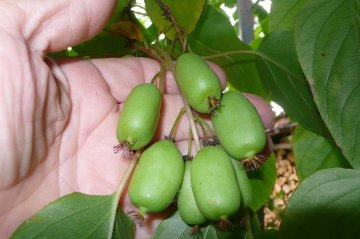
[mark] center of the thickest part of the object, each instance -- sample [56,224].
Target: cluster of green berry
[214,184]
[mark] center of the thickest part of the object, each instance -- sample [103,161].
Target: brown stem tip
[224,225]
[254,163]
[137,217]
[124,148]
[214,103]
[196,232]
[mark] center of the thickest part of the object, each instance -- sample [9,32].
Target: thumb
[54,25]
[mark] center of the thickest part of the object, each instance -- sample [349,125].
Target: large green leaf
[328,46]
[214,34]
[185,12]
[124,227]
[313,152]
[282,75]
[73,216]
[325,206]
[262,183]
[283,13]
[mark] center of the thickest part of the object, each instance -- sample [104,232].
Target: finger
[123,74]
[56,25]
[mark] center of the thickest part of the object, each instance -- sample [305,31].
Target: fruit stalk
[127,174]
[176,122]
[249,231]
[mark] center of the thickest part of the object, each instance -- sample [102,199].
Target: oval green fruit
[188,208]
[157,177]
[238,126]
[243,182]
[197,82]
[214,183]
[139,116]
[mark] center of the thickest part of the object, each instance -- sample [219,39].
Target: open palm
[58,119]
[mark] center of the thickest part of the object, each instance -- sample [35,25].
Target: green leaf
[212,232]
[214,34]
[173,227]
[313,152]
[328,45]
[124,228]
[262,183]
[283,13]
[268,234]
[186,14]
[325,205]
[73,216]
[103,45]
[282,75]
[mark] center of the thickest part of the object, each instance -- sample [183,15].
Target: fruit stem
[192,125]
[249,231]
[127,174]
[210,130]
[150,53]
[190,144]
[122,186]
[200,123]
[162,75]
[176,123]
[189,114]
[155,77]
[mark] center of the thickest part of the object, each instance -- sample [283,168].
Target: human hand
[58,119]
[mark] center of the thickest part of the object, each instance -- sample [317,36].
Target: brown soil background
[287,179]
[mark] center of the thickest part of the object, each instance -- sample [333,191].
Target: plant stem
[249,231]
[170,16]
[121,188]
[150,53]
